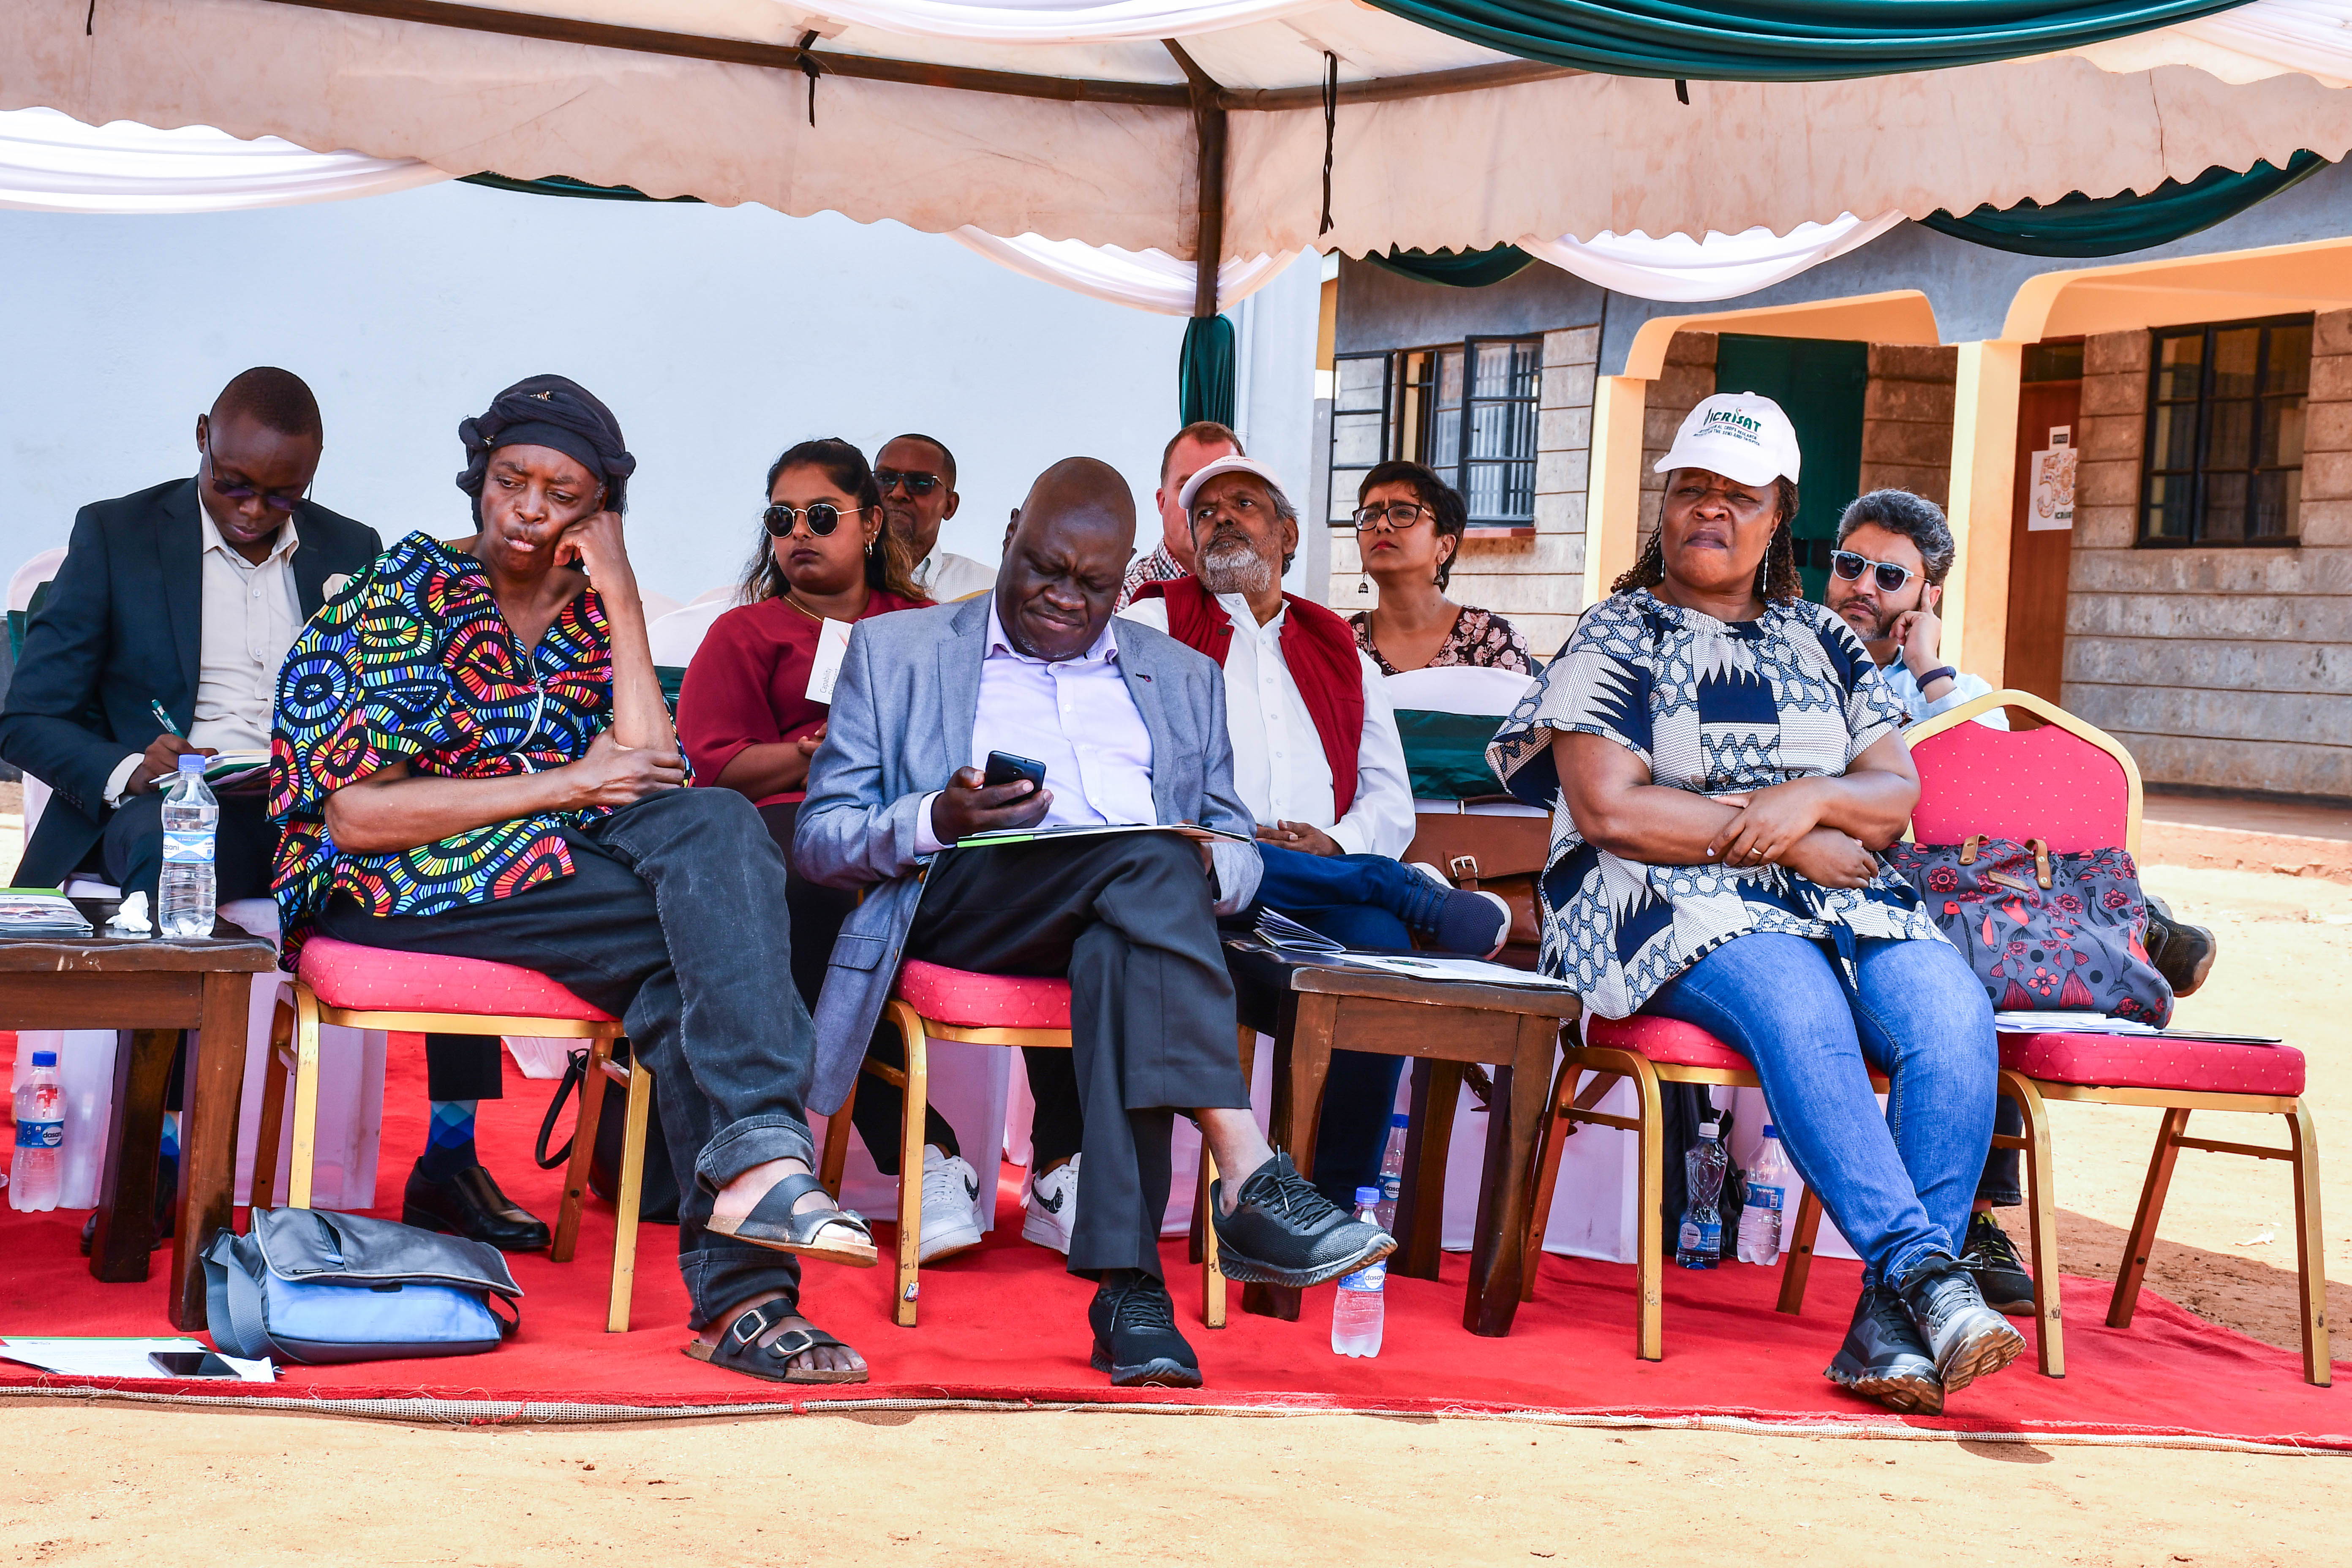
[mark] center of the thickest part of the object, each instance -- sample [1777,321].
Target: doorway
[2041,522]
[1821,384]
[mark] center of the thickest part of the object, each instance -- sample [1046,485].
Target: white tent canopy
[1438,144]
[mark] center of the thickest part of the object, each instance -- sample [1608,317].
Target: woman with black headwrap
[472,758]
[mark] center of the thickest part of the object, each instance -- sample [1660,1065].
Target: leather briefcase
[1501,855]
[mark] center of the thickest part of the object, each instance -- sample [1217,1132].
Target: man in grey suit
[1130,726]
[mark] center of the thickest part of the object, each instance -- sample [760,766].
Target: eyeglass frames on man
[1394,517]
[276,500]
[886,480]
[1889,577]
[823,517]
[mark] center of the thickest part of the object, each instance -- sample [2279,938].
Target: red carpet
[1005,1323]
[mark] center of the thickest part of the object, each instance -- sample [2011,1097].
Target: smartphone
[189,1363]
[1003,767]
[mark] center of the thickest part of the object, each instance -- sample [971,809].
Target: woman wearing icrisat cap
[1723,764]
[472,758]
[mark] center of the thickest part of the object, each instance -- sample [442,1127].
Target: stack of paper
[233,768]
[39,911]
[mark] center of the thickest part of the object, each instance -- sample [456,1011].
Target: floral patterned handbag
[2044,932]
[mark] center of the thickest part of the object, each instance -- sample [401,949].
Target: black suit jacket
[121,628]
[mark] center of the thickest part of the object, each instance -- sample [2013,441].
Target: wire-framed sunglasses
[1889,577]
[823,517]
[276,500]
[884,479]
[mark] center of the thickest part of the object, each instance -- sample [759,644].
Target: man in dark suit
[185,598]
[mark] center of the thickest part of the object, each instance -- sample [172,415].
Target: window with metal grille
[2223,462]
[1467,410]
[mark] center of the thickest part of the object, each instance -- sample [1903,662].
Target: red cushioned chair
[2073,786]
[373,988]
[932,1002]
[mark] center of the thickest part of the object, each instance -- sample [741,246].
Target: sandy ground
[102,1484]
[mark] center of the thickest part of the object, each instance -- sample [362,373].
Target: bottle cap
[192,762]
[1366,1196]
[1709,1128]
[45,1058]
[1770,1131]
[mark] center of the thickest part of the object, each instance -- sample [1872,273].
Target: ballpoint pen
[164,718]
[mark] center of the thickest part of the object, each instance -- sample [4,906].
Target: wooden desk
[153,989]
[1443,1026]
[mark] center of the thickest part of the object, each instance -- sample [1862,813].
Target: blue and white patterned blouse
[1714,707]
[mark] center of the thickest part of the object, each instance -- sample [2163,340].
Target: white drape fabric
[2248,43]
[1677,267]
[1058,21]
[1142,280]
[52,163]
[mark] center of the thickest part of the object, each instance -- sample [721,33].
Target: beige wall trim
[1899,316]
[1613,516]
[1984,469]
[2272,280]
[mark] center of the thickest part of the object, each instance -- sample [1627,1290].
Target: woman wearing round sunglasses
[1409,526]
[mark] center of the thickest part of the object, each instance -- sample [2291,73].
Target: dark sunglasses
[917,484]
[1890,577]
[823,517]
[276,500]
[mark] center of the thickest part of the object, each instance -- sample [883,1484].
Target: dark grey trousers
[673,921]
[1128,920]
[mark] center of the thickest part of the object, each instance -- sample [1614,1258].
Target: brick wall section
[2229,668]
[1687,380]
[1537,583]
[1907,420]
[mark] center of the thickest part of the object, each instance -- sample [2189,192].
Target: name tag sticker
[832,645]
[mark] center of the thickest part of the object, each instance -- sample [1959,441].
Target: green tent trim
[2080,226]
[1457,270]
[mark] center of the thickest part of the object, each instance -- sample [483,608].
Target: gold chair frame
[294,1048]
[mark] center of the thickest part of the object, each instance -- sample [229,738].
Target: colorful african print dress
[1715,708]
[413,662]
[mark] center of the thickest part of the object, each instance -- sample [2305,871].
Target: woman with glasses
[1409,526]
[751,713]
[1723,764]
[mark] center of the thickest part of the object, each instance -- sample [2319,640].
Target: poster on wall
[2050,499]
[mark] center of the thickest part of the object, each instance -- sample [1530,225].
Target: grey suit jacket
[901,723]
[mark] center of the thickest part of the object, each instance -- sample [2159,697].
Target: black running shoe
[1134,1334]
[1884,1359]
[2181,952]
[1967,1339]
[1282,1232]
[1992,1261]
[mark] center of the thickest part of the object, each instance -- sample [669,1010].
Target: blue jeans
[1363,901]
[1898,1187]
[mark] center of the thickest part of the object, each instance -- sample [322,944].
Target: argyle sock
[170,1144]
[449,1140]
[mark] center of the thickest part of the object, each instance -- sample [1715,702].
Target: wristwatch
[1941,673]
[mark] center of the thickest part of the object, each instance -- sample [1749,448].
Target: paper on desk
[1426,966]
[82,1357]
[832,647]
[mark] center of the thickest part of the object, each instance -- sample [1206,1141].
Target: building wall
[1906,420]
[2228,667]
[1687,380]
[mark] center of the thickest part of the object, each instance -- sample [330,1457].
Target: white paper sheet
[115,1357]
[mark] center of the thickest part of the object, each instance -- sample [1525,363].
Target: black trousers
[816,912]
[1128,920]
[131,847]
[668,922]
[1999,1185]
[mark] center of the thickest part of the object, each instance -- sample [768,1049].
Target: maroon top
[748,683]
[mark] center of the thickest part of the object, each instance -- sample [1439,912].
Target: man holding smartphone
[1130,729]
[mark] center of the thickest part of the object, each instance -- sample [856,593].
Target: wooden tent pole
[1208,130]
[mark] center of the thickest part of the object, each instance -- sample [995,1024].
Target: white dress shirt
[943,576]
[1279,768]
[250,619]
[1075,716]
[1905,686]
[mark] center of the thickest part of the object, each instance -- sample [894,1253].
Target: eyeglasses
[823,517]
[1394,517]
[886,480]
[1890,577]
[276,500]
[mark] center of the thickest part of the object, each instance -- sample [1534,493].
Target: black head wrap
[550,411]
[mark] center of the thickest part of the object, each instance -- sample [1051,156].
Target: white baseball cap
[1742,436]
[1231,463]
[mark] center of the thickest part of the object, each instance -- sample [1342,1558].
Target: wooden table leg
[1302,1061]
[126,1200]
[1421,1207]
[1498,1252]
[215,1083]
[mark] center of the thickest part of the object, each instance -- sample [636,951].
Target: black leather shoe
[470,1205]
[167,1197]
[1282,1232]
[1967,1339]
[1991,1260]
[1134,1334]
[2181,952]
[1884,1358]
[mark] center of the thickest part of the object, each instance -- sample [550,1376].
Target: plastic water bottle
[1358,1309]
[40,1135]
[1768,1196]
[1701,1243]
[1392,1173]
[191,820]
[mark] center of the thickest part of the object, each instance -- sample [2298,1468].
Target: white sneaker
[1053,1206]
[951,1188]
